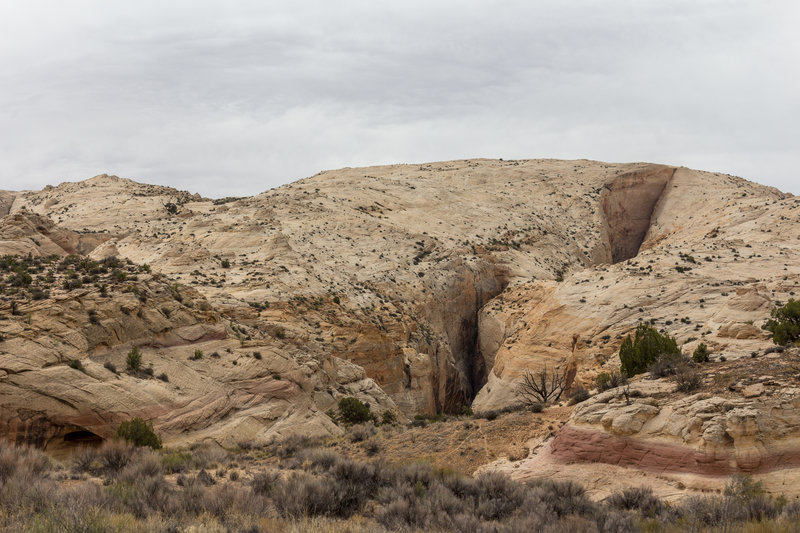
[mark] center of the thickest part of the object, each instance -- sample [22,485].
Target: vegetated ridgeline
[417,288]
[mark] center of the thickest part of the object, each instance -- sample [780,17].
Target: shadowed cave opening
[82,438]
[73,440]
[66,440]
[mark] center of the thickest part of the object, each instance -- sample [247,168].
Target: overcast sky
[232,98]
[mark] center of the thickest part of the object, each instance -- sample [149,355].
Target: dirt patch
[461,444]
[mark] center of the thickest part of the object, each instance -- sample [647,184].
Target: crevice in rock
[6,200]
[462,374]
[629,206]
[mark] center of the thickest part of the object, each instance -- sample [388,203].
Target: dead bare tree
[626,392]
[543,386]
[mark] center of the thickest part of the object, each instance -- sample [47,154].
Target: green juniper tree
[647,346]
[785,323]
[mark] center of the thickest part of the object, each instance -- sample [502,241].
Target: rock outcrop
[713,262]
[681,444]
[65,380]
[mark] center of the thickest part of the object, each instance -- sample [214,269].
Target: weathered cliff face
[461,371]
[540,330]
[25,233]
[6,199]
[410,252]
[629,205]
[713,261]
[433,364]
[43,398]
[64,380]
[443,282]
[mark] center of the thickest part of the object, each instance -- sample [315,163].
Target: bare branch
[541,387]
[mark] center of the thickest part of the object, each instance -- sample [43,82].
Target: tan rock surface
[713,262]
[235,391]
[412,252]
[436,284]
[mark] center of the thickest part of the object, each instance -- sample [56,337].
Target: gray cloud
[233,98]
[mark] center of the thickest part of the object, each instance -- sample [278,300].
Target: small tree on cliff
[134,359]
[354,411]
[701,353]
[139,433]
[785,323]
[647,346]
